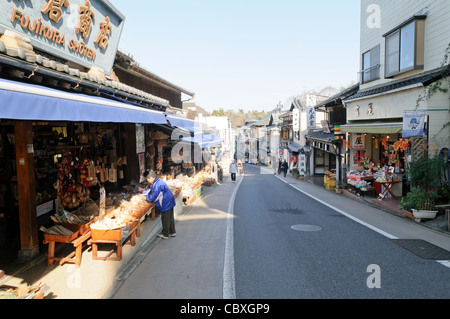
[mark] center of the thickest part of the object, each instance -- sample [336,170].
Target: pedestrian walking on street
[285,168]
[160,194]
[240,167]
[279,166]
[233,171]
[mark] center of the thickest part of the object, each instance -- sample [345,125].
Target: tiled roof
[321,135]
[339,97]
[36,63]
[425,79]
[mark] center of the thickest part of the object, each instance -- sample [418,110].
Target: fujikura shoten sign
[86,32]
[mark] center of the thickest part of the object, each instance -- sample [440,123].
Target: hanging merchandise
[159,136]
[75,176]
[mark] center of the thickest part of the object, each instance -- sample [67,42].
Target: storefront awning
[294,147]
[204,140]
[373,128]
[182,122]
[20,101]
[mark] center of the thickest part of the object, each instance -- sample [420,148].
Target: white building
[221,127]
[402,49]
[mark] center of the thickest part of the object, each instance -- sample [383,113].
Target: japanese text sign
[86,32]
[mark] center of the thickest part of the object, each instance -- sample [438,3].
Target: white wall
[395,12]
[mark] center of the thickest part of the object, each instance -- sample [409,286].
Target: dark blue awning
[294,147]
[22,101]
[182,122]
[204,140]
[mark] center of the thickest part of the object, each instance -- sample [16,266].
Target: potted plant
[419,203]
[423,174]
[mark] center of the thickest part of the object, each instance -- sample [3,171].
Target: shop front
[59,149]
[325,158]
[74,141]
[377,159]
[68,156]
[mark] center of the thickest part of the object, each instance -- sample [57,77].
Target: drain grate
[423,249]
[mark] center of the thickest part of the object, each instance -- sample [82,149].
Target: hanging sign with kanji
[85,32]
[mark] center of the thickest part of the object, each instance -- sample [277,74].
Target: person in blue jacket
[160,194]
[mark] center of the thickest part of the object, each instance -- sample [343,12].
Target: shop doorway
[9,208]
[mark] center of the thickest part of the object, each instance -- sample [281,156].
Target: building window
[405,47]
[371,65]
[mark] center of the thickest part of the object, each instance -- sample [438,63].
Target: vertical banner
[311,117]
[140,138]
[302,164]
[141,159]
[413,123]
[296,120]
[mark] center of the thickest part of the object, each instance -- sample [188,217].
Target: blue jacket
[160,194]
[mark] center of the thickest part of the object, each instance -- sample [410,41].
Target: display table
[189,199]
[77,242]
[361,192]
[387,189]
[112,236]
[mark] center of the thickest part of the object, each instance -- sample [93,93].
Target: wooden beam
[29,241]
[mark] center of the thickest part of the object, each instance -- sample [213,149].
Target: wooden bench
[129,240]
[77,244]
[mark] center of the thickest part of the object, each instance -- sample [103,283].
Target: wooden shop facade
[76,113]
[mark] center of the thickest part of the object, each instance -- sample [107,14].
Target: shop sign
[140,138]
[86,32]
[302,164]
[358,141]
[296,120]
[311,117]
[413,123]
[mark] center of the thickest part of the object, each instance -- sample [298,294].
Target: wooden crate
[81,228]
[106,234]
[60,238]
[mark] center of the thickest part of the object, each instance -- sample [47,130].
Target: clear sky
[244,54]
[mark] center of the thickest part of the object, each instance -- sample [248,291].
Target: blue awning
[182,122]
[22,101]
[294,147]
[204,140]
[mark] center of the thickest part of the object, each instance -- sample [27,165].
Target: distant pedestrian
[285,168]
[275,166]
[279,167]
[160,194]
[240,167]
[233,171]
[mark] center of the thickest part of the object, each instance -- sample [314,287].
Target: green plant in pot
[416,198]
[424,174]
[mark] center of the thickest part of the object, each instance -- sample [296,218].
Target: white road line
[229,291]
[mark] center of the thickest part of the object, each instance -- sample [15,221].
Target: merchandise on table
[25,292]
[362,180]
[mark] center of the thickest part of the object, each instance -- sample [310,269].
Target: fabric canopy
[181,122]
[21,101]
[204,140]
[373,128]
[294,147]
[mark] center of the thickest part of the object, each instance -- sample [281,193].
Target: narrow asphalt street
[278,242]
[288,245]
